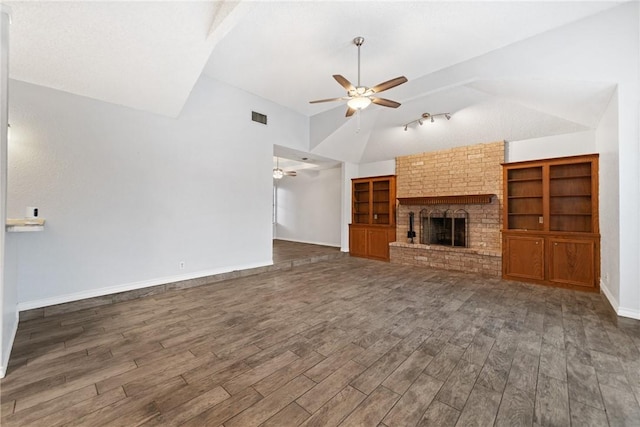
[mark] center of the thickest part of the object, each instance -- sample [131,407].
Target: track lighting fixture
[426,116]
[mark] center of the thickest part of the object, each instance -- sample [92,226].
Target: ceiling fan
[279,173]
[359,97]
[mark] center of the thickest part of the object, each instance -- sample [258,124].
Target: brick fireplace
[445,186]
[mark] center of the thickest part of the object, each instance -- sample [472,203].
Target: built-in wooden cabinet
[372,225]
[550,232]
[572,261]
[524,256]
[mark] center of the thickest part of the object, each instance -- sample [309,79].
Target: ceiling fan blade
[325,100]
[389,84]
[350,112]
[290,173]
[385,102]
[344,82]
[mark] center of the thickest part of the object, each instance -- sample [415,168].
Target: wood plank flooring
[347,342]
[285,250]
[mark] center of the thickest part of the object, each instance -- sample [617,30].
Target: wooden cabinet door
[572,261]
[358,241]
[378,244]
[524,257]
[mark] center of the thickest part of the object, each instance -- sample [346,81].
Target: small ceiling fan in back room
[279,173]
[360,97]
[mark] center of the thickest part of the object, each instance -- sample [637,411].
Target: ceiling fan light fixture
[359,102]
[278,173]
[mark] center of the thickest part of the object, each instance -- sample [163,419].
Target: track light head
[426,116]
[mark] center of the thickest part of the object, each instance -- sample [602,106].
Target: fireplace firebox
[448,228]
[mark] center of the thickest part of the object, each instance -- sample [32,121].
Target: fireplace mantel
[464,199]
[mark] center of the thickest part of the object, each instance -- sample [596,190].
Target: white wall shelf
[24,225]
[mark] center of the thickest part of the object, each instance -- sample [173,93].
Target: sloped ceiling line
[227,15]
[581,102]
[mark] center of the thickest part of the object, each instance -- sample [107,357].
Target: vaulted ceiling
[149,55]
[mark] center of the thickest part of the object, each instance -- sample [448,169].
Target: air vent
[260,118]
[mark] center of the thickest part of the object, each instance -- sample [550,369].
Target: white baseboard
[333,245]
[620,311]
[627,312]
[5,357]
[608,295]
[92,293]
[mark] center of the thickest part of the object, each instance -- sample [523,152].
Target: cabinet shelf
[569,177]
[525,180]
[525,213]
[526,197]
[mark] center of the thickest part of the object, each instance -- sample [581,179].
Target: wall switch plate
[181,265]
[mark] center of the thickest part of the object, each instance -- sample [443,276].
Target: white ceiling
[149,55]
[288,51]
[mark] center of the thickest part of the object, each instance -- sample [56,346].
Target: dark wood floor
[284,250]
[346,342]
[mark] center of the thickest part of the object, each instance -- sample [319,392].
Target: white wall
[571,144]
[609,197]
[348,172]
[385,167]
[127,195]
[8,290]
[308,207]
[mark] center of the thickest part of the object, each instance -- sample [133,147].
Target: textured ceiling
[144,55]
[149,55]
